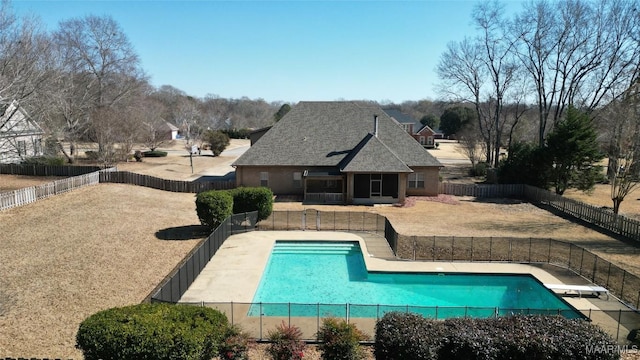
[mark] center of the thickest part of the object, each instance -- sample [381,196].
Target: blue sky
[283,50]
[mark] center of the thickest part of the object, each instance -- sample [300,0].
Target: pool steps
[315,248]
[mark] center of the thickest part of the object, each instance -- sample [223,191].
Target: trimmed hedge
[248,199]
[45,160]
[154,153]
[213,207]
[152,331]
[411,336]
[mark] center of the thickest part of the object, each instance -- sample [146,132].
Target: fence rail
[482,190]
[178,281]
[46,170]
[125,177]
[602,218]
[31,194]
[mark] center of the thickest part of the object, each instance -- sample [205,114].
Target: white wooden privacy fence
[31,194]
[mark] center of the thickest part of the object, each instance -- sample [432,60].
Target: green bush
[247,199]
[410,336]
[152,331]
[407,336]
[213,207]
[44,160]
[286,343]
[340,340]
[154,153]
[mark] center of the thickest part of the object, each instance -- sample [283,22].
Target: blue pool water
[307,278]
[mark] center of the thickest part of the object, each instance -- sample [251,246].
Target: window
[37,146]
[297,180]
[430,140]
[416,181]
[264,178]
[22,148]
[421,140]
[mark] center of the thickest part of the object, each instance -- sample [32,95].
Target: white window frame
[264,178]
[22,148]
[415,180]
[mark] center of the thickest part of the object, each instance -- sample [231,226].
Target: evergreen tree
[573,152]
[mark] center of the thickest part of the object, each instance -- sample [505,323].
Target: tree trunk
[616,205]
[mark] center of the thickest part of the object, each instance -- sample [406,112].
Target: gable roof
[401,117]
[15,121]
[337,134]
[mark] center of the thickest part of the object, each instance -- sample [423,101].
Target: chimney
[375,125]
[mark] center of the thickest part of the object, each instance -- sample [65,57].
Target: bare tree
[577,53]
[99,71]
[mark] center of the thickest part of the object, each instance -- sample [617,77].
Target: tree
[431,121]
[623,170]
[573,151]
[577,53]
[217,140]
[100,71]
[454,119]
[284,109]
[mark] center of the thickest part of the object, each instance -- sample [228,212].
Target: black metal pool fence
[620,283]
[258,319]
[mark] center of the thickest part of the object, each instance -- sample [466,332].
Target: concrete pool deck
[233,274]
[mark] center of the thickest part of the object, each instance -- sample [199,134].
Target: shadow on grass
[189,232]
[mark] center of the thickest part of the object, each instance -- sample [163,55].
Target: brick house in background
[20,136]
[339,152]
[423,134]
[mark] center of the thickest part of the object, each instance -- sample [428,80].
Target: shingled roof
[338,134]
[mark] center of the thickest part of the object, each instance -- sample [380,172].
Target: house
[20,136]
[167,131]
[422,133]
[339,152]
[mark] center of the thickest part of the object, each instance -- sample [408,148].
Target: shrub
[407,336]
[152,331]
[92,155]
[480,169]
[286,343]
[213,207]
[340,340]
[45,160]
[235,344]
[247,199]
[154,153]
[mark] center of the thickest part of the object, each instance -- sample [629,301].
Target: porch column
[402,186]
[349,188]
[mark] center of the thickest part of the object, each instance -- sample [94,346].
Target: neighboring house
[339,152]
[422,133]
[255,135]
[167,131]
[20,136]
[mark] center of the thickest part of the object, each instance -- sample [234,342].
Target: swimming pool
[315,278]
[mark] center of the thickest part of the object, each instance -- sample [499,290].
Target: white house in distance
[20,136]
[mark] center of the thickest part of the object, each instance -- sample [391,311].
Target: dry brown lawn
[66,257]
[15,182]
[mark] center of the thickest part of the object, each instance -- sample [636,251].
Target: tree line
[84,81]
[520,74]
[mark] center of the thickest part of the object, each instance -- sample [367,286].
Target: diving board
[596,290]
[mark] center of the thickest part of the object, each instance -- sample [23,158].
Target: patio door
[376,185]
